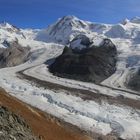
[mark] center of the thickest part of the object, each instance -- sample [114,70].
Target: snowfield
[89,115]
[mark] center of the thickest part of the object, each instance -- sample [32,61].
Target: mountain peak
[69,20]
[70,17]
[5,24]
[64,30]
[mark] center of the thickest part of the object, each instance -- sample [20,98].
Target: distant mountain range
[66,28]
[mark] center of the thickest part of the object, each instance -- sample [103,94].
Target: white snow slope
[102,118]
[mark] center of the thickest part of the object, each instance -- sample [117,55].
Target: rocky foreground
[13,127]
[35,125]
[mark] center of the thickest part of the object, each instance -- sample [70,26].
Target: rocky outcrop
[93,64]
[134,81]
[13,127]
[13,55]
[80,42]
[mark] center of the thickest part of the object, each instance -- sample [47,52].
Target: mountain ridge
[70,26]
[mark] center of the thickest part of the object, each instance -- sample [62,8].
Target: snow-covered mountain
[101,113]
[66,28]
[9,32]
[125,35]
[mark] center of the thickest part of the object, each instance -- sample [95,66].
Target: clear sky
[41,13]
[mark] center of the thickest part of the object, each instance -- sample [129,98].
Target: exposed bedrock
[13,127]
[92,64]
[134,80]
[13,55]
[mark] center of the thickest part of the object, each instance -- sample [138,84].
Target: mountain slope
[90,114]
[13,126]
[125,35]
[38,121]
[91,64]
[66,28]
[13,55]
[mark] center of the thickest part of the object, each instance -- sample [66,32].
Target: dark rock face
[12,127]
[13,55]
[134,82]
[93,64]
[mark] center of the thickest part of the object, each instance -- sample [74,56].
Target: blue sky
[41,13]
